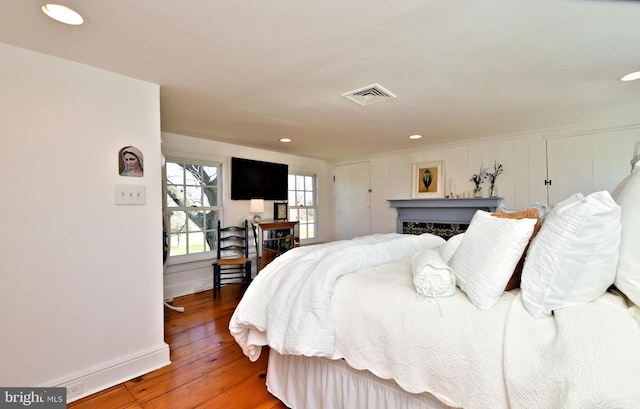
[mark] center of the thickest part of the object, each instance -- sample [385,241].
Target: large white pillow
[627,195]
[573,258]
[487,255]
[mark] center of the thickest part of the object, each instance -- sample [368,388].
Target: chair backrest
[233,241]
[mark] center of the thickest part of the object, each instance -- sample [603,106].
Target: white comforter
[582,357]
[288,305]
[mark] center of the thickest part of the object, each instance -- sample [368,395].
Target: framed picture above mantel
[428,180]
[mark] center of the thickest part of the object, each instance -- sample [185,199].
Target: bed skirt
[318,383]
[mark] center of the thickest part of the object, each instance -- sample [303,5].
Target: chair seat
[232,261]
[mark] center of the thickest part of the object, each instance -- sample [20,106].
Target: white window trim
[209,255]
[315,239]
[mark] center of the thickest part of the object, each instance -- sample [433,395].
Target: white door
[570,164]
[589,163]
[352,200]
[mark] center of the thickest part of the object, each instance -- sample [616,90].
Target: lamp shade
[256,206]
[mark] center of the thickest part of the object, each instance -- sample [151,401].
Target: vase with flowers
[497,170]
[477,179]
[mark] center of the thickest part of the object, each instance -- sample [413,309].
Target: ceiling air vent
[369,95]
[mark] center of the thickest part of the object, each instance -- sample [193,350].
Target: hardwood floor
[208,369]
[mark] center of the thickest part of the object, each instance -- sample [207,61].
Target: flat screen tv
[252,179]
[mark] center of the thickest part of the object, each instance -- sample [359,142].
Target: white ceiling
[251,72]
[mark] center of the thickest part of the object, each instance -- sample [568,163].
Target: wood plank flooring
[208,369]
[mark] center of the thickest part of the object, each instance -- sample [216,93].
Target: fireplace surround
[442,217]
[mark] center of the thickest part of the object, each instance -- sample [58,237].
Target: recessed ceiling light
[285,140]
[415,136]
[631,77]
[62,13]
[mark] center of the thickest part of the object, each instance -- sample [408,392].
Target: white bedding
[444,346]
[288,305]
[585,356]
[581,357]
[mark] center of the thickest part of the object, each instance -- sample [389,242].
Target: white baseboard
[115,373]
[179,290]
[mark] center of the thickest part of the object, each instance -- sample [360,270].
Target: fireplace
[442,217]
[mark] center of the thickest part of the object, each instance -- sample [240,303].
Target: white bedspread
[582,357]
[586,356]
[445,346]
[310,302]
[288,305]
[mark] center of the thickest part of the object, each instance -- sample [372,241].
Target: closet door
[569,167]
[589,163]
[352,206]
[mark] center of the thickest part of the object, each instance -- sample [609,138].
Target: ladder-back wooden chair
[233,265]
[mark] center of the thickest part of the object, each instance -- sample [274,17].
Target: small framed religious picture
[131,162]
[280,213]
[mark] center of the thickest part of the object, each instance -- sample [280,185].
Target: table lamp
[256,207]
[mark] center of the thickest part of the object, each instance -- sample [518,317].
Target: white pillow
[627,195]
[573,258]
[489,251]
[448,249]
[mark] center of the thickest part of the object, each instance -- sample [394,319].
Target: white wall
[182,278]
[603,153]
[81,293]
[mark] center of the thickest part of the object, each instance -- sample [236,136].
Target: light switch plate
[131,195]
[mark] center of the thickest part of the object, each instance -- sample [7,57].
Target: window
[303,206]
[193,207]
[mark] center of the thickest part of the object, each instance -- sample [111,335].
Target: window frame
[295,208]
[167,210]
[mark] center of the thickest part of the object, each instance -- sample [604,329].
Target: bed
[404,321]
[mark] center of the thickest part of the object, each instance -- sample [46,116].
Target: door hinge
[547,182]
